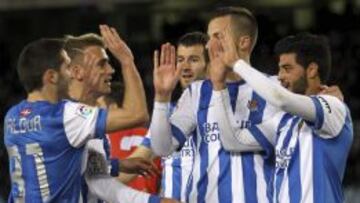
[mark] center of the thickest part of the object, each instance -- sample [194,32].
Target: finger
[107,35]
[162,55]
[172,56]
[115,34]
[156,59]
[167,53]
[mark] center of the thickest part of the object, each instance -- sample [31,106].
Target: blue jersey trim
[179,136]
[100,130]
[176,179]
[146,142]
[319,113]
[263,141]
[114,167]
[154,199]
[294,175]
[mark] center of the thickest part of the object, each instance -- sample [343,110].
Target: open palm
[166,75]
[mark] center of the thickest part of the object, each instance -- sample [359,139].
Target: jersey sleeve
[330,115]
[111,189]
[170,133]
[82,122]
[183,120]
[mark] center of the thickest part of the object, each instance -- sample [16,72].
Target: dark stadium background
[145,24]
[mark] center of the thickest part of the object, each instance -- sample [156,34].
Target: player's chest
[293,139]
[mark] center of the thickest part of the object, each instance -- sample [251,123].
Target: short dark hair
[242,19]
[75,43]
[194,38]
[36,58]
[309,48]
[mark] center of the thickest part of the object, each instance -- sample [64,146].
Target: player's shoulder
[330,101]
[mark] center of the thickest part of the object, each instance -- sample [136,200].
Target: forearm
[160,129]
[134,97]
[275,94]
[232,136]
[111,190]
[140,152]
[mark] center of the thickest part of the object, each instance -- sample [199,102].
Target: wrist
[163,97]
[127,62]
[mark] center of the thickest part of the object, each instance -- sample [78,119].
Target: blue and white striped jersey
[311,156]
[218,175]
[177,168]
[45,143]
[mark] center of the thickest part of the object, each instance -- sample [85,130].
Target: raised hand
[218,70]
[229,53]
[116,45]
[139,166]
[166,75]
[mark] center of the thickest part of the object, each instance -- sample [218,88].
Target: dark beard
[300,85]
[63,88]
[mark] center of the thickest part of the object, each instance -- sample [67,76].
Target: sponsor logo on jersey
[25,112]
[283,157]
[84,111]
[252,105]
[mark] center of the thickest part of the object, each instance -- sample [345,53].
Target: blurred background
[145,24]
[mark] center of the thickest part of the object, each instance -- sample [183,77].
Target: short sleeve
[82,122]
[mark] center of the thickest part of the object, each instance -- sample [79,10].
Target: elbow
[279,99]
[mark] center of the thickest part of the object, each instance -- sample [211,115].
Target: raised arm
[232,135]
[272,92]
[134,110]
[168,134]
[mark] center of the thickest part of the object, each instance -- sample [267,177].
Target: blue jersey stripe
[176,179]
[294,176]
[249,177]
[224,179]
[205,96]
[280,172]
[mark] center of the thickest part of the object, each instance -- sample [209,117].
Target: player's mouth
[187,76]
[108,81]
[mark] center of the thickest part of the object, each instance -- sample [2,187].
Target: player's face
[291,74]
[217,26]
[192,62]
[106,70]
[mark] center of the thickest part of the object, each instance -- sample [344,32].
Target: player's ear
[50,76]
[244,43]
[77,72]
[312,71]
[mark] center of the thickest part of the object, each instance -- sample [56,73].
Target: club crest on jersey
[252,105]
[84,111]
[25,112]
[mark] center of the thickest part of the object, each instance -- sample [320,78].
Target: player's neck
[77,92]
[42,95]
[314,87]
[231,76]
